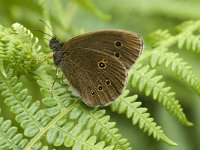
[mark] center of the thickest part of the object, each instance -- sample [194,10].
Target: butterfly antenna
[47,26]
[44,33]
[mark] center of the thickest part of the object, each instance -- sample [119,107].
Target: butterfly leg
[63,79]
[54,81]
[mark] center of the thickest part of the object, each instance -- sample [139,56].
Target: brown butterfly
[96,63]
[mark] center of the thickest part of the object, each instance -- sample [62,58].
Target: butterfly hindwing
[98,77]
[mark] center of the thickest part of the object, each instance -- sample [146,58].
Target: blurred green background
[72,17]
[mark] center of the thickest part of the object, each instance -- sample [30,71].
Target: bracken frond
[96,122]
[36,123]
[133,110]
[190,42]
[156,38]
[18,48]
[178,66]
[9,136]
[27,111]
[144,78]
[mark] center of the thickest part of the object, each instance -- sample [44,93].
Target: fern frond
[177,65]
[100,122]
[18,48]
[156,38]
[36,123]
[9,136]
[96,121]
[63,131]
[144,78]
[190,42]
[187,26]
[133,110]
[28,112]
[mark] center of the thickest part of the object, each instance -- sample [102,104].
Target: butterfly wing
[98,77]
[124,46]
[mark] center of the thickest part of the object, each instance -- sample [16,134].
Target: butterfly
[96,64]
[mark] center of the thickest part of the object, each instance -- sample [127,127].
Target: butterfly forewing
[97,76]
[122,45]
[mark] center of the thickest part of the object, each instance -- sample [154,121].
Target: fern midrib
[117,141]
[51,124]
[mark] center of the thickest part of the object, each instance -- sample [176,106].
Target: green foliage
[178,66]
[96,122]
[19,48]
[126,104]
[55,118]
[9,136]
[145,79]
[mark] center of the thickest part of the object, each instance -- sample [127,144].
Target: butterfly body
[96,64]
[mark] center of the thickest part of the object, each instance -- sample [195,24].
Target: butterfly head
[55,44]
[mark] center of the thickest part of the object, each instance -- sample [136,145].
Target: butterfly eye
[108,82]
[101,65]
[117,54]
[100,88]
[118,43]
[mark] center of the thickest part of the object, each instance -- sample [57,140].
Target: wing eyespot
[100,88]
[117,54]
[101,65]
[118,44]
[108,82]
[92,92]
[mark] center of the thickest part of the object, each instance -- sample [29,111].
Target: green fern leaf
[190,42]
[187,26]
[156,38]
[95,121]
[177,65]
[128,105]
[28,113]
[9,136]
[144,78]
[18,48]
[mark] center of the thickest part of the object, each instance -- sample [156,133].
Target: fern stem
[51,124]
